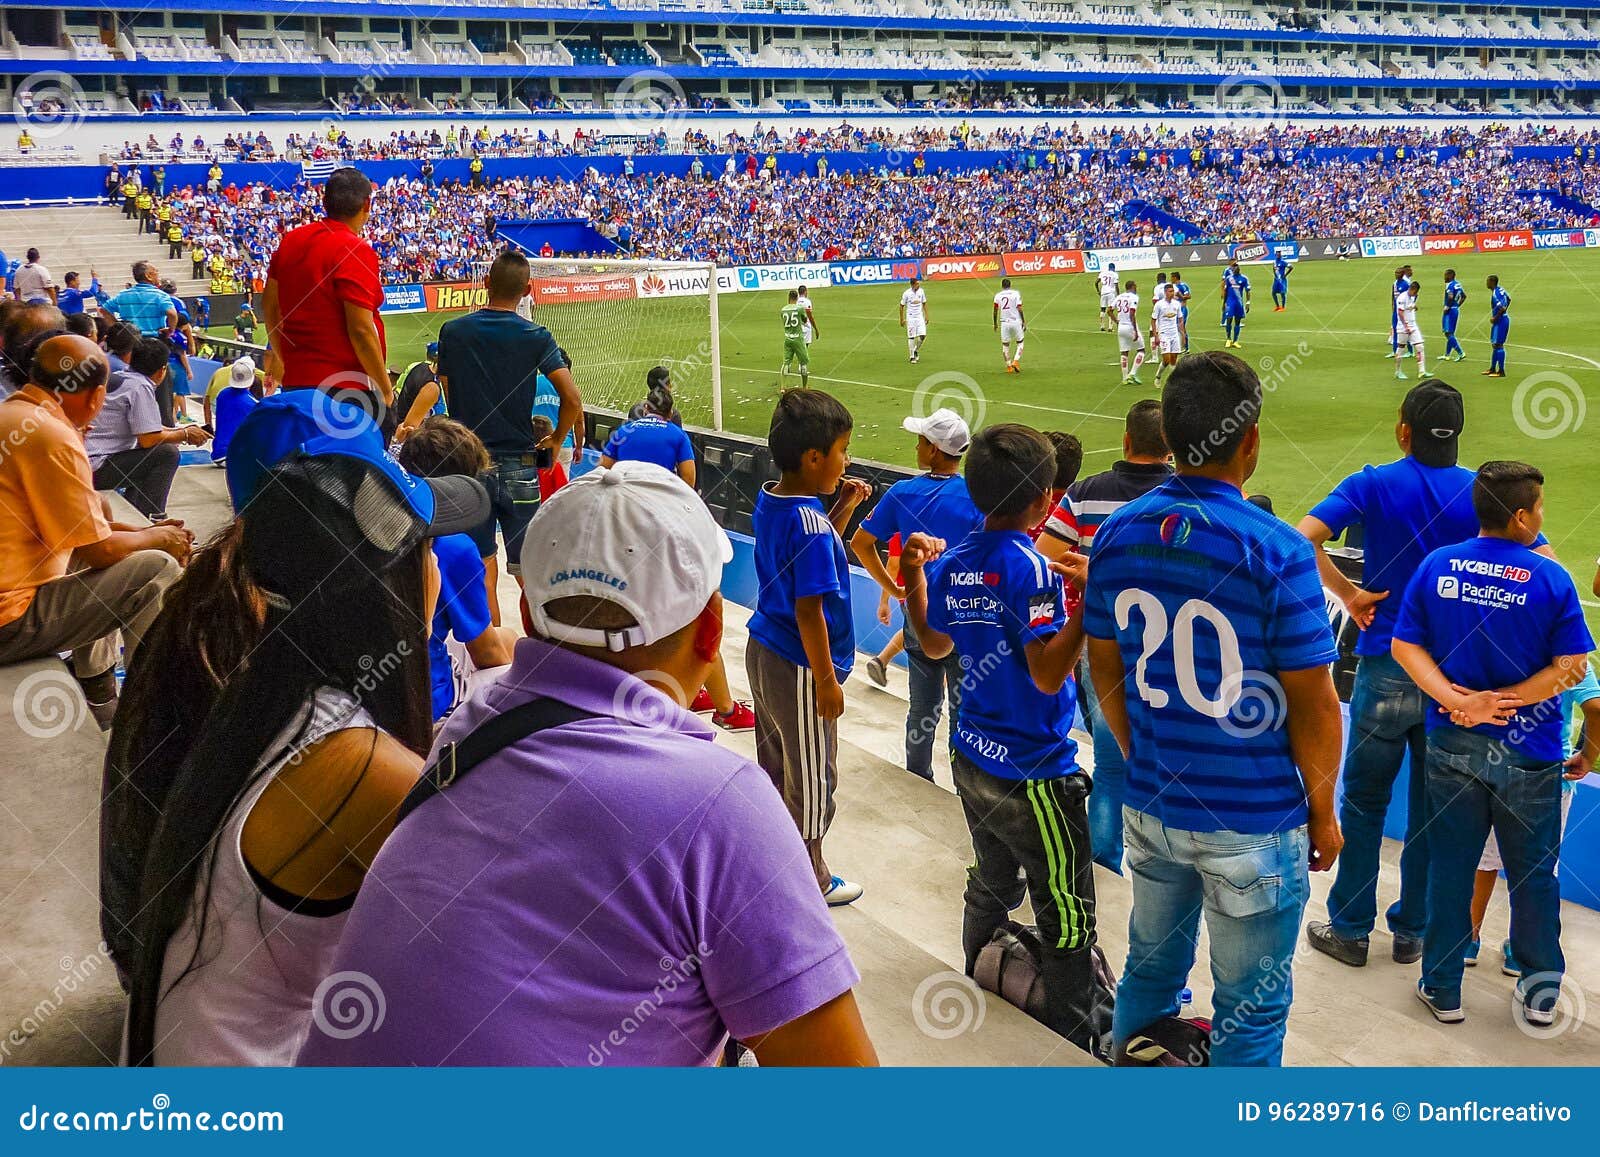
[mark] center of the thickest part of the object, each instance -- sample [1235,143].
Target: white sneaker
[841,892]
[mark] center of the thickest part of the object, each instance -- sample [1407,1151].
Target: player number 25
[1155,634]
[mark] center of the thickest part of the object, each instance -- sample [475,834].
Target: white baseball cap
[242,372]
[945,428]
[635,535]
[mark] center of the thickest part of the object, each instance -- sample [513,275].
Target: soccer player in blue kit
[1235,304]
[1454,298]
[1499,326]
[1183,296]
[1280,283]
[998,603]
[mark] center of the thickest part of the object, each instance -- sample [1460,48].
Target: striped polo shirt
[1089,501]
[1208,598]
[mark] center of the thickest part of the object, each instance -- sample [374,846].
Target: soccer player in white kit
[1407,332]
[1008,320]
[1108,297]
[914,318]
[1126,307]
[1167,330]
[805,303]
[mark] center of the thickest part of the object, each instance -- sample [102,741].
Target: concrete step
[98,237]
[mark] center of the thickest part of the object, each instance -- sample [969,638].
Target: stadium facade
[202,58]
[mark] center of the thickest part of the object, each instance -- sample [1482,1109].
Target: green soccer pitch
[1332,395]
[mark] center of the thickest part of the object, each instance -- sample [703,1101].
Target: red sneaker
[741,718]
[702,704]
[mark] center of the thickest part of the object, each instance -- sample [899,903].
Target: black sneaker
[1407,949]
[1324,939]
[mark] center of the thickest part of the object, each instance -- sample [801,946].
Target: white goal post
[617,318]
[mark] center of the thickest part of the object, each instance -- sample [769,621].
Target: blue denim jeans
[1110,779]
[1252,890]
[1386,722]
[931,683]
[1476,783]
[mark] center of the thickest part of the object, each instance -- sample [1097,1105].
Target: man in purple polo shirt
[614,890]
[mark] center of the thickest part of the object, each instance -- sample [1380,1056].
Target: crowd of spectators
[1067,189]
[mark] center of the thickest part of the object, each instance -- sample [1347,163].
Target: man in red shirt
[322,298]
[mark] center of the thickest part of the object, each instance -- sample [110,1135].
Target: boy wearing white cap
[597,852]
[935,503]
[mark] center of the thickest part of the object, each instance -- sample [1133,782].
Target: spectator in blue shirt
[1406,509]
[653,438]
[996,602]
[440,447]
[71,299]
[1493,633]
[934,503]
[802,636]
[1207,636]
[145,304]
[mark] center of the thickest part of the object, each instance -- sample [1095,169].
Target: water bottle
[1185,999]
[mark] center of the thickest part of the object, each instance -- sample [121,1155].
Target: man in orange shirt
[322,299]
[70,579]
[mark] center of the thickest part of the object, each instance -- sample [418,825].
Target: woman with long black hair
[267,828]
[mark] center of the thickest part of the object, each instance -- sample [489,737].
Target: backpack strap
[492,736]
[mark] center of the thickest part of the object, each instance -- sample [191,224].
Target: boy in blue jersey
[1406,508]
[1280,283]
[1499,326]
[1581,746]
[1455,297]
[935,503]
[1493,633]
[997,603]
[1209,647]
[652,437]
[802,637]
[1235,304]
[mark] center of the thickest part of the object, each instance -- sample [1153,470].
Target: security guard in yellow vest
[174,241]
[130,197]
[146,204]
[197,256]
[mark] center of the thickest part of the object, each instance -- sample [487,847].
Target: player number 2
[1155,633]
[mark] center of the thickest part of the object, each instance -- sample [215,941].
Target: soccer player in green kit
[796,316]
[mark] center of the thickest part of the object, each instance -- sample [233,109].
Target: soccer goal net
[618,318]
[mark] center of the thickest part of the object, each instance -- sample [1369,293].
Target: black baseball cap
[1436,414]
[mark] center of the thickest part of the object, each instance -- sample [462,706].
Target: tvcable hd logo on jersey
[1500,570]
[974,578]
[583,574]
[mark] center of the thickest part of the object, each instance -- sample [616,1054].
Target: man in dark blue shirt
[1209,646]
[489,366]
[1406,509]
[935,503]
[996,602]
[1493,632]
